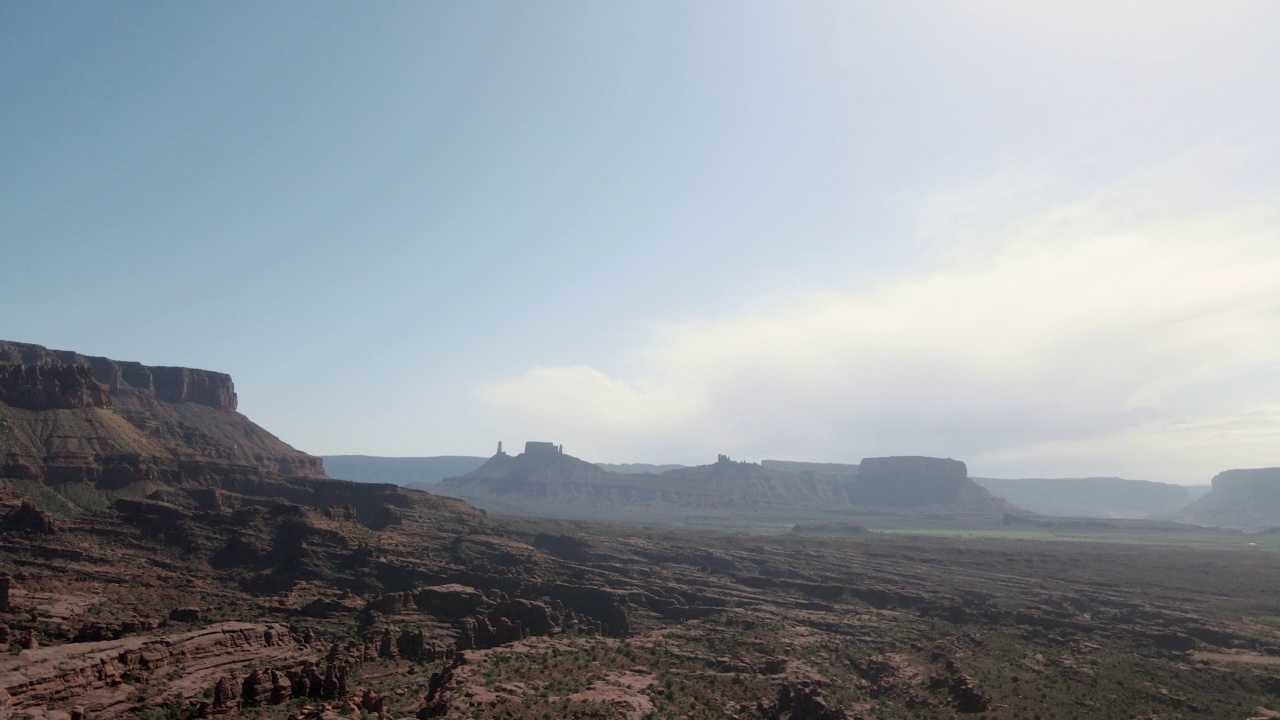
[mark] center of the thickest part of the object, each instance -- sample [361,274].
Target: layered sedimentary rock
[66,417]
[132,379]
[94,674]
[1247,499]
[42,387]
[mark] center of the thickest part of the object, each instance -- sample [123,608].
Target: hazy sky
[1043,238]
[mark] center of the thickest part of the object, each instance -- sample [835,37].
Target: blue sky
[1039,237]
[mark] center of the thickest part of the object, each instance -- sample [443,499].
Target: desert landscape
[165,557]
[662,360]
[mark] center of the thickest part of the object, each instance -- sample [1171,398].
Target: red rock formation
[132,379]
[65,417]
[91,673]
[27,518]
[40,387]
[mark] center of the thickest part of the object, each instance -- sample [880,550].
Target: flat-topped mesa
[542,448]
[132,380]
[167,384]
[543,481]
[1252,479]
[70,417]
[910,481]
[1246,499]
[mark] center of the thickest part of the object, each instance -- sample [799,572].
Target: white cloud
[1132,329]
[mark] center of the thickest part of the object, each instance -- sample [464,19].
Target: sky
[1042,238]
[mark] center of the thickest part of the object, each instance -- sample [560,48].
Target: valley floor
[292,612]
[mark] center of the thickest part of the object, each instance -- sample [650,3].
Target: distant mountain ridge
[543,481]
[796,466]
[637,468]
[404,471]
[1095,497]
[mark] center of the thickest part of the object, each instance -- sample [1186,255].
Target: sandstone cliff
[1248,499]
[43,387]
[70,417]
[132,380]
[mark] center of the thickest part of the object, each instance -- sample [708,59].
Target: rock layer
[41,387]
[94,674]
[66,417]
[166,384]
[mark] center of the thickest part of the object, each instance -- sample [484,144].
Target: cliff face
[910,481]
[1248,499]
[67,417]
[41,387]
[132,380]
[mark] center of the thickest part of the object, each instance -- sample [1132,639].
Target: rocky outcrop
[66,417]
[131,379]
[265,687]
[27,518]
[509,621]
[1246,499]
[801,701]
[449,602]
[485,620]
[95,674]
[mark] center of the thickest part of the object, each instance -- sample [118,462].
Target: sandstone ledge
[101,675]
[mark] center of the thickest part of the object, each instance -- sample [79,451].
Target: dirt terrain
[211,587]
[291,610]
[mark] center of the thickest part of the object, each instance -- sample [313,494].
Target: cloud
[1133,328]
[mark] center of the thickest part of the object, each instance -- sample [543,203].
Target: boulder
[449,602]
